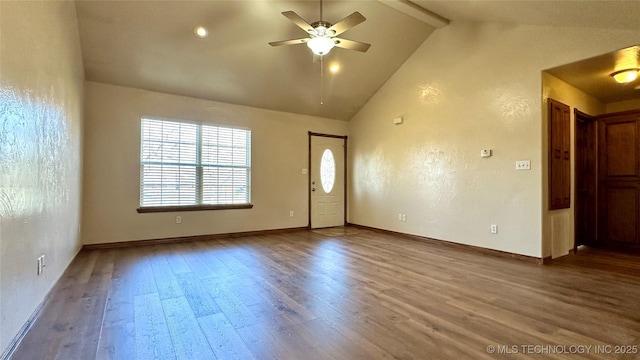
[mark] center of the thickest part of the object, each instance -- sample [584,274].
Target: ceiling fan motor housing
[320,28]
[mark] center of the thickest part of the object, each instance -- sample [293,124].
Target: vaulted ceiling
[151,45]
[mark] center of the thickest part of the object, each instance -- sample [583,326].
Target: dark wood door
[559,155]
[586,204]
[619,179]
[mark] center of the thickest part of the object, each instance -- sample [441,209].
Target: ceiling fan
[322,34]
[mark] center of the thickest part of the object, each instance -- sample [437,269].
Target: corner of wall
[558,228]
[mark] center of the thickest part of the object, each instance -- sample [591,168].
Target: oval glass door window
[327,171]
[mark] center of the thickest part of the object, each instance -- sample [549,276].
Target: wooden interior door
[586,179]
[619,179]
[559,155]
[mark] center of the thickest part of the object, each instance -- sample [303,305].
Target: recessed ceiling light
[201,32]
[334,68]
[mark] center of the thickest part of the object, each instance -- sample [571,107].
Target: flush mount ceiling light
[625,76]
[201,32]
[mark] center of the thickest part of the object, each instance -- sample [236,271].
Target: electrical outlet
[485,153]
[404,217]
[178,219]
[399,217]
[494,229]
[523,165]
[291,213]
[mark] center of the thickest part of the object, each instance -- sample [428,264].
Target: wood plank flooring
[335,294]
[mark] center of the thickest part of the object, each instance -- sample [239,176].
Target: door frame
[345,139]
[586,130]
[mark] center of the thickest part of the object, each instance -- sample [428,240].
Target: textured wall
[626,105]
[112,165]
[41,85]
[470,86]
[558,229]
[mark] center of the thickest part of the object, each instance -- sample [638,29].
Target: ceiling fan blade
[298,20]
[289,42]
[351,45]
[346,24]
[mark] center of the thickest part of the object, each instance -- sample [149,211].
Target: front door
[327,181]
[619,179]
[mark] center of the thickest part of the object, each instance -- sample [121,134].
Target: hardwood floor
[335,294]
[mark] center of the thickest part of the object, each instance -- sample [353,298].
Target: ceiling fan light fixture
[201,32]
[321,45]
[625,76]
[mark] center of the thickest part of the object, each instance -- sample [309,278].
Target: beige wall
[470,86]
[633,104]
[112,165]
[41,82]
[558,225]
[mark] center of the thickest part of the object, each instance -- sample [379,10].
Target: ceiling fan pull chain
[321,80]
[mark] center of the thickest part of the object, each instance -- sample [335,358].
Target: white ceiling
[598,82]
[150,45]
[606,14]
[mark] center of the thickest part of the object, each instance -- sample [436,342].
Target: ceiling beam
[417,12]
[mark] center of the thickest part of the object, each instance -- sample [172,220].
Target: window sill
[155,209]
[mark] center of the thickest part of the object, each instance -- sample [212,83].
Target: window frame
[199,167]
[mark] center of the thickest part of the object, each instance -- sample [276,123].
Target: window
[192,166]
[327,171]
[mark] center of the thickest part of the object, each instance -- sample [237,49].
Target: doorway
[586,180]
[327,180]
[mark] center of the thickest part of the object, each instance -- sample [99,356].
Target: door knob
[313,189]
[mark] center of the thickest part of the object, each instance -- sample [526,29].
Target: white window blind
[185,163]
